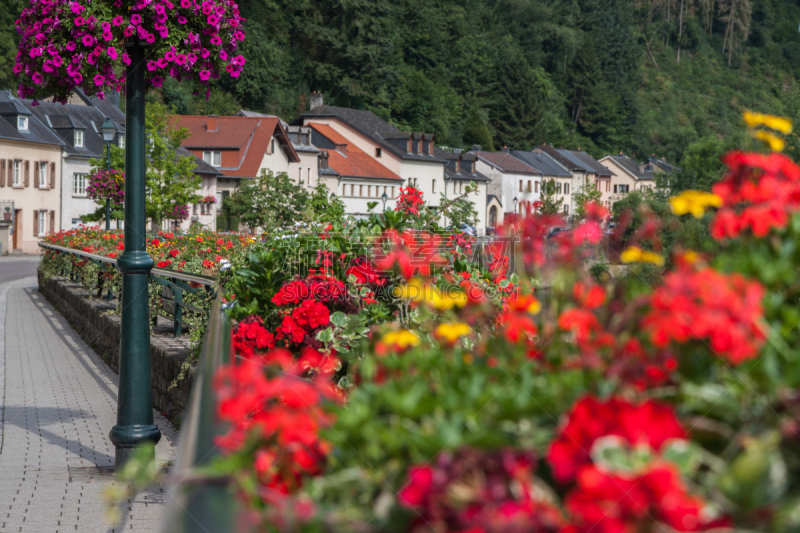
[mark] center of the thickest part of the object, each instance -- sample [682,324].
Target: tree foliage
[268,201]
[549,202]
[642,76]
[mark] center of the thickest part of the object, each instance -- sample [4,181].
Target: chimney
[476,147]
[211,123]
[341,148]
[505,150]
[316,100]
[323,160]
[458,166]
[641,168]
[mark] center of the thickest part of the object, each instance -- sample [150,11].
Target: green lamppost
[108,135]
[135,401]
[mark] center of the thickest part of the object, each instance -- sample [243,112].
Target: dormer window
[78,139]
[213,158]
[22,123]
[378,152]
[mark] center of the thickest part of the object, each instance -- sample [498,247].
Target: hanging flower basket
[208,200]
[107,185]
[68,44]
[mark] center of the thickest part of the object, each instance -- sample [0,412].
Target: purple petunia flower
[205,75]
[223,55]
[126,58]
[180,59]
[238,60]
[205,53]
[99,80]
[112,52]
[80,21]
[212,20]
[87,40]
[170,55]
[182,20]
[136,19]
[117,21]
[157,81]
[215,40]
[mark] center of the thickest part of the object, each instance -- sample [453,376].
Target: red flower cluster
[321,288]
[414,253]
[364,273]
[281,411]
[725,309]
[650,423]
[304,319]
[758,193]
[478,492]
[606,503]
[409,201]
[250,337]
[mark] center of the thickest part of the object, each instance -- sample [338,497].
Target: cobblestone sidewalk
[57,404]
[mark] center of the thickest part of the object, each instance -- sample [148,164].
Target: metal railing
[173,284]
[198,501]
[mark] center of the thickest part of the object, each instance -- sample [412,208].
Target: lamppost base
[127,439]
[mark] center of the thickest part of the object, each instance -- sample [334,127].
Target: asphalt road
[12,268]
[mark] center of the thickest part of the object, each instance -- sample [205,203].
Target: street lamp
[108,135]
[384,199]
[135,424]
[515,204]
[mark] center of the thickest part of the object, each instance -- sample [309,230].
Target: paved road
[13,268]
[57,403]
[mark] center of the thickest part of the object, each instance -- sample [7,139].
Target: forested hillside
[643,76]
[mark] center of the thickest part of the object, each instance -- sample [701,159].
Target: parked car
[556,230]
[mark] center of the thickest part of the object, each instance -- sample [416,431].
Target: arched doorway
[493,216]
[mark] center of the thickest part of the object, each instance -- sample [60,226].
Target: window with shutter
[42,222]
[52,221]
[52,175]
[27,173]
[36,223]
[2,172]
[36,180]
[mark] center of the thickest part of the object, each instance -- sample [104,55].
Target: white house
[515,183]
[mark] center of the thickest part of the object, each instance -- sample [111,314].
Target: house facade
[30,174]
[460,172]
[515,183]
[359,178]
[550,169]
[78,124]
[410,155]
[629,176]
[239,147]
[602,175]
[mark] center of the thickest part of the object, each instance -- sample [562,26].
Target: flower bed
[436,394]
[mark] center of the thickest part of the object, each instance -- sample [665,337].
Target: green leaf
[339,319]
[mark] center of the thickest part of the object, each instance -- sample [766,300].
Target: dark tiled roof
[507,162]
[542,162]
[562,159]
[201,167]
[369,124]
[632,167]
[663,165]
[65,119]
[351,161]
[37,132]
[591,163]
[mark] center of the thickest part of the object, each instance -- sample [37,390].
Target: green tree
[550,204]
[460,210]
[322,207]
[588,192]
[269,201]
[476,130]
[701,167]
[170,178]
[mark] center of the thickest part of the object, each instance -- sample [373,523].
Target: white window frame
[42,223]
[17,173]
[121,141]
[22,123]
[79,184]
[78,139]
[213,158]
[43,175]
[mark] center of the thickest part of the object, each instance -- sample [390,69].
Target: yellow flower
[416,291]
[452,331]
[690,257]
[781,124]
[401,339]
[694,202]
[776,144]
[634,254]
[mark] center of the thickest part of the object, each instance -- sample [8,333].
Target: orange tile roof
[249,135]
[352,161]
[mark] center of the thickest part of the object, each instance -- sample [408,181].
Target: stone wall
[93,319]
